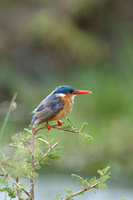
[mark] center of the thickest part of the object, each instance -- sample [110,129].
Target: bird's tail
[33,120]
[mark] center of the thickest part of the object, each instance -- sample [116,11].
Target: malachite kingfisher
[56,105]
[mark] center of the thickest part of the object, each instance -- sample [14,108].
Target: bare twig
[13,181]
[45,141]
[16,146]
[81,191]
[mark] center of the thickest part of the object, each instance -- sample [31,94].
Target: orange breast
[67,107]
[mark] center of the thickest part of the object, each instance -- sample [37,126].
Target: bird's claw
[60,123]
[48,126]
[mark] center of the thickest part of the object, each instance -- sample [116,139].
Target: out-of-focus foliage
[87,44]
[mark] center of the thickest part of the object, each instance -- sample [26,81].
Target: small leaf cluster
[17,160]
[68,125]
[7,188]
[84,136]
[90,184]
[104,176]
[22,152]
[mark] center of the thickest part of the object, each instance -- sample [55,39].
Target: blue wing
[47,109]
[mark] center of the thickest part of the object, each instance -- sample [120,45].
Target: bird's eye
[71,91]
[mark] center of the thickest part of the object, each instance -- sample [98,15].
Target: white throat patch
[60,95]
[73,97]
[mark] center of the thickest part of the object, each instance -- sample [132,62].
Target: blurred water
[51,184]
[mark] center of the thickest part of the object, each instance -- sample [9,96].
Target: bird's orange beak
[82,92]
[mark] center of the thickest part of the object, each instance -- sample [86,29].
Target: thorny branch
[33,164]
[93,186]
[83,190]
[13,181]
[7,164]
[51,148]
[56,127]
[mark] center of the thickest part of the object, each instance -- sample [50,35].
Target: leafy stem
[81,191]
[13,181]
[93,183]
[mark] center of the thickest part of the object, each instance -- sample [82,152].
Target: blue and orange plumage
[56,105]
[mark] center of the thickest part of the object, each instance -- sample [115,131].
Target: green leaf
[102,186]
[38,153]
[105,178]
[69,191]
[92,181]
[57,197]
[99,171]
[66,126]
[83,182]
[84,125]
[86,137]
[21,184]
[7,188]
[35,175]
[104,171]
[76,176]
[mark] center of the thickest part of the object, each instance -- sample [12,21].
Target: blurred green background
[87,44]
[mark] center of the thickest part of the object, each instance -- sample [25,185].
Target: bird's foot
[60,123]
[48,126]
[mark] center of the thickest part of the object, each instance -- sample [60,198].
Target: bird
[56,105]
